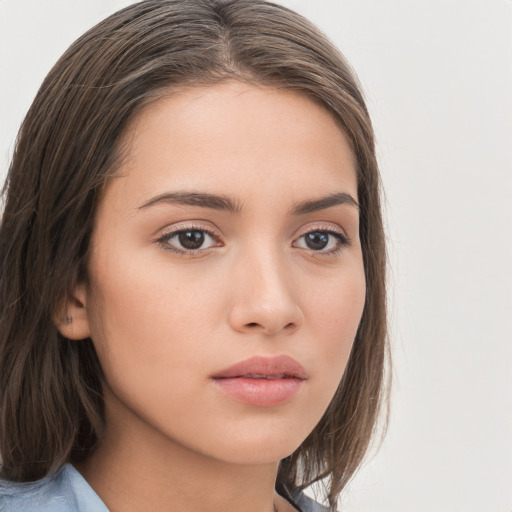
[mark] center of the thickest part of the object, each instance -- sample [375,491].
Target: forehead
[236,138]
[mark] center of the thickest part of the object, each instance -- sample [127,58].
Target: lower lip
[260,392]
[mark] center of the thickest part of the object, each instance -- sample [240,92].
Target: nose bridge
[269,278]
[265,300]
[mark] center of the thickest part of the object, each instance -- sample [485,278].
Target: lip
[262,381]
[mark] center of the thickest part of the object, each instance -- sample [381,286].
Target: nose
[263,298]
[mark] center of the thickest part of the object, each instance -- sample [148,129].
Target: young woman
[192,269]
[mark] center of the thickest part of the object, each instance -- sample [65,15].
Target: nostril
[288,327]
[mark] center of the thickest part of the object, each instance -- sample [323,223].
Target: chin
[268,448]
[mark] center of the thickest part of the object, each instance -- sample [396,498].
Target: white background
[438,79]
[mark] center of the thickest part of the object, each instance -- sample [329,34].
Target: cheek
[335,314]
[145,316]
[337,307]
[148,344]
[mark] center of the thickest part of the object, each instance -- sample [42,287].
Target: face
[226,281]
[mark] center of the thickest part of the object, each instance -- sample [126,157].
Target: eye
[325,241]
[188,240]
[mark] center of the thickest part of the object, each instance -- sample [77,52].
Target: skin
[164,322]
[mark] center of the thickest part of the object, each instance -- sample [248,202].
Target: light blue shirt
[65,491]
[68,491]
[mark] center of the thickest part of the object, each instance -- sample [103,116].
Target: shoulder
[52,493]
[63,491]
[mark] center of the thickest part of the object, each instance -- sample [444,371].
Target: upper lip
[265,367]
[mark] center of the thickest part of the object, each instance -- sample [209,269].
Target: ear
[72,319]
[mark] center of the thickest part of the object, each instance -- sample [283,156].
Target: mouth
[270,377]
[259,367]
[262,381]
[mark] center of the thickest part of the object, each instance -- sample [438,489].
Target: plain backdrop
[438,80]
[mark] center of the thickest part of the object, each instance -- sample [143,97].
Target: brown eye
[188,240]
[317,240]
[323,241]
[191,239]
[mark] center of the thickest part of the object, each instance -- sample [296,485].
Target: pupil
[317,240]
[191,239]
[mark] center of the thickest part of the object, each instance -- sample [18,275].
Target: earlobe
[72,319]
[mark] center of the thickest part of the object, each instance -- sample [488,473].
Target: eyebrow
[323,203]
[220,202]
[213,201]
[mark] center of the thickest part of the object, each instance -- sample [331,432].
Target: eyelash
[163,241]
[343,241]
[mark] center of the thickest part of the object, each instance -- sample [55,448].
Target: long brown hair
[67,148]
